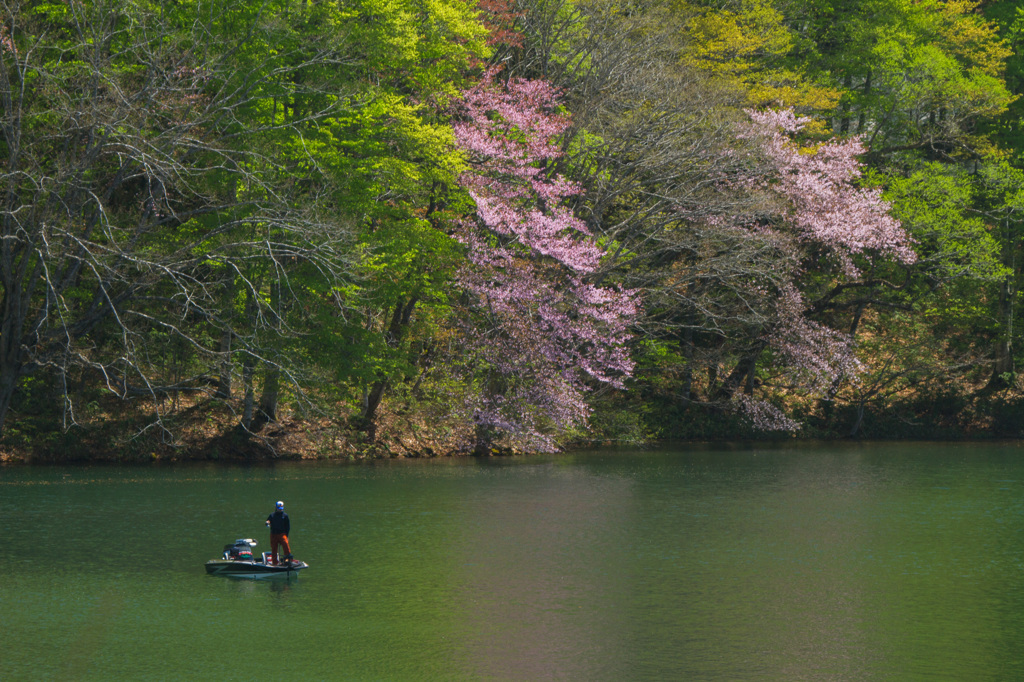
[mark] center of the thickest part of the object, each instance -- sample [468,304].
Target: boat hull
[252,570]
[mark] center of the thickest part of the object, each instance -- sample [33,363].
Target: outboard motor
[241,550]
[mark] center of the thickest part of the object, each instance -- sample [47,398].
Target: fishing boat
[239,561]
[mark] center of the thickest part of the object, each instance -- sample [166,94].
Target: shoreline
[259,454]
[208,431]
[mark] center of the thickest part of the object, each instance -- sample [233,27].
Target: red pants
[282,540]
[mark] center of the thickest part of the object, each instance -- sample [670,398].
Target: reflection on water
[854,562]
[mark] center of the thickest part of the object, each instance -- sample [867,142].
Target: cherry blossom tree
[542,331]
[826,205]
[823,210]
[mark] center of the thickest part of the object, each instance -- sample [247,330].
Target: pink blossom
[549,330]
[6,42]
[826,206]
[816,355]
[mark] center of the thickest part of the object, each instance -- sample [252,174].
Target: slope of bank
[208,429]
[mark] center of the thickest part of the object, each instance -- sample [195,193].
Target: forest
[312,228]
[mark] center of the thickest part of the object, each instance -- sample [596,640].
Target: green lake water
[810,562]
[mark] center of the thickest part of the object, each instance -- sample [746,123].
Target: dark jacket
[279,523]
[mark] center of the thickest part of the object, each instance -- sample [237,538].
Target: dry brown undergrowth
[208,429]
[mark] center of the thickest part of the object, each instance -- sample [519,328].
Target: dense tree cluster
[494,217]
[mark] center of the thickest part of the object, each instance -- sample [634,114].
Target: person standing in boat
[279,529]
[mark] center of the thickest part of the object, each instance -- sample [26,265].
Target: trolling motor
[240,551]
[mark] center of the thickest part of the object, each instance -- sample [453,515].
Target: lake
[741,562]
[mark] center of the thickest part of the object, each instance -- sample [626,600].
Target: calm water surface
[834,562]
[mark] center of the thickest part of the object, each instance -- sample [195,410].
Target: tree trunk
[1003,365]
[483,440]
[226,365]
[833,389]
[748,386]
[844,120]
[249,365]
[272,372]
[268,398]
[862,117]
[742,374]
[688,369]
[247,404]
[399,322]
[14,307]
[224,380]
[373,400]
[8,384]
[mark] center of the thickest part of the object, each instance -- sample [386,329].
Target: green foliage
[916,75]
[1008,130]
[298,163]
[748,45]
[937,204]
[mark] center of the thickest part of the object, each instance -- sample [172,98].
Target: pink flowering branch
[7,43]
[823,208]
[548,330]
[826,205]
